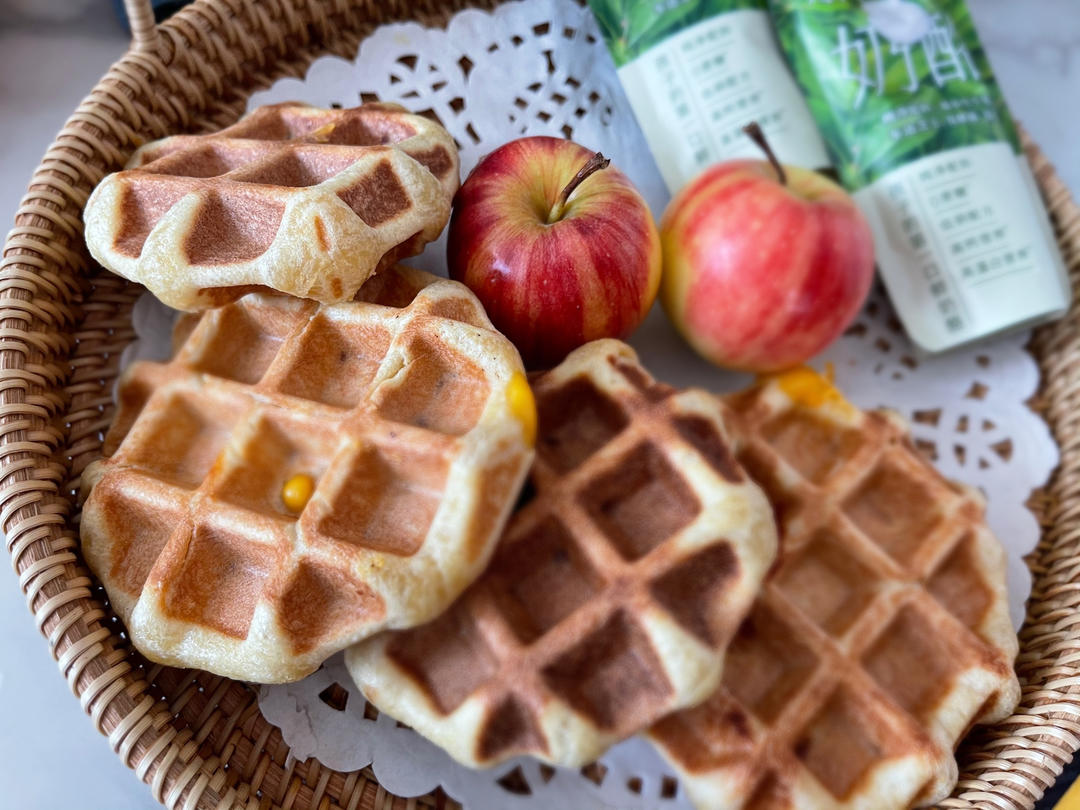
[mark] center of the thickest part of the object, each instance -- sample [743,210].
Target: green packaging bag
[696,72]
[917,128]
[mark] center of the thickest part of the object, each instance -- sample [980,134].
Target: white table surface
[50,754]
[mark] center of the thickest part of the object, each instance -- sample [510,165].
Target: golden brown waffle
[882,635]
[613,591]
[292,198]
[411,415]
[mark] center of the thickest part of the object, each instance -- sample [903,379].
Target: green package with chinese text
[917,129]
[696,72]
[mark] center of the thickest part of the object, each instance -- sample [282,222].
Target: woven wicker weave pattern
[199,740]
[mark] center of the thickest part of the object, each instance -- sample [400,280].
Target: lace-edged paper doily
[540,67]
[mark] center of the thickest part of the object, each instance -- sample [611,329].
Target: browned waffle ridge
[199,741]
[396,407]
[614,590]
[882,635]
[292,198]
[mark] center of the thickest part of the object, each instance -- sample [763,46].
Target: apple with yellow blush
[764,265]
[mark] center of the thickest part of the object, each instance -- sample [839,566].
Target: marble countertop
[46,70]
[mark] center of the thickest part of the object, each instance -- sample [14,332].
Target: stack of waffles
[338,441]
[773,587]
[879,637]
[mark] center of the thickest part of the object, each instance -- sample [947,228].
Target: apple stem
[755,133]
[594,164]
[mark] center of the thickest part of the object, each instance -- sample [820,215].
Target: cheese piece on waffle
[405,417]
[882,635]
[292,198]
[613,591]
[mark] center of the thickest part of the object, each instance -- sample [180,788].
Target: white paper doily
[540,67]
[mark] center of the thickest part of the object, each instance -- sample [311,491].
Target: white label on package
[693,94]
[963,245]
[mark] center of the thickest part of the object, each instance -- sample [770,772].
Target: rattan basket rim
[199,740]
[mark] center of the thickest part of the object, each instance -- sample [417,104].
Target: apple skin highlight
[591,273]
[760,276]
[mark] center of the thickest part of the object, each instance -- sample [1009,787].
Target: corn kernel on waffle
[293,198]
[613,591]
[407,421]
[882,635]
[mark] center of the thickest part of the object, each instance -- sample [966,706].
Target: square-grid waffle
[411,420]
[292,198]
[613,591]
[879,639]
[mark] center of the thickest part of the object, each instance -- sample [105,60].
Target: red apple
[558,246]
[764,265]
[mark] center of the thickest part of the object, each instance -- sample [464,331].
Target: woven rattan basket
[198,740]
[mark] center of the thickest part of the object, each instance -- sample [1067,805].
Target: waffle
[292,198]
[412,420]
[882,635]
[614,589]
